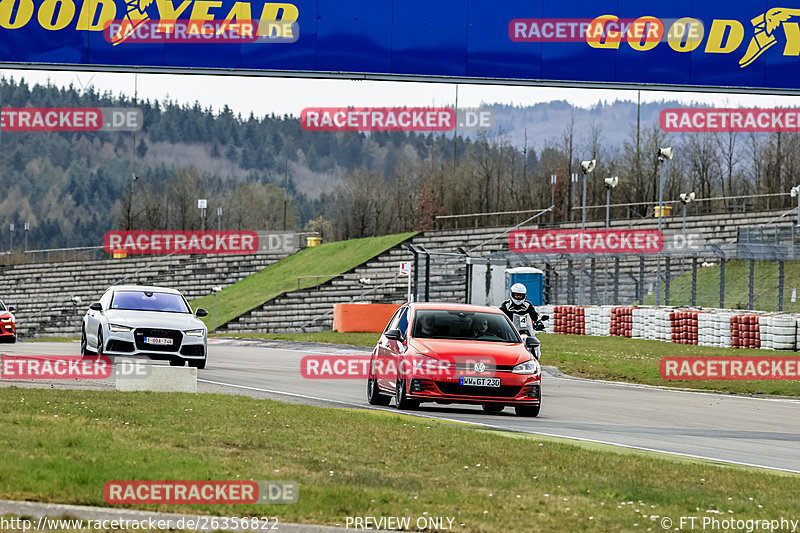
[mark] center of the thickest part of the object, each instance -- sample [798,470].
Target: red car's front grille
[455,389]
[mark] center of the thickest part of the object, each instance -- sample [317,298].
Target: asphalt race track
[759,432]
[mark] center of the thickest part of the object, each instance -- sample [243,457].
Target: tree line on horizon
[73,187]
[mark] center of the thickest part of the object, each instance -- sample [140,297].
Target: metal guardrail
[331,276]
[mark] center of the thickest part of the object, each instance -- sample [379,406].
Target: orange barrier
[370,318]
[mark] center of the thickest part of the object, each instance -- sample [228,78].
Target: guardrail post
[668,264]
[722,283]
[751,295]
[694,281]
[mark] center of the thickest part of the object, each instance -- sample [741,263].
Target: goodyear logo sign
[723,36]
[97,15]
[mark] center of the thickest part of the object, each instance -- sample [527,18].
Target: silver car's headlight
[530,366]
[195,332]
[118,328]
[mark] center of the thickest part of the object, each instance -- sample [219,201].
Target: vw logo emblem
[480,367]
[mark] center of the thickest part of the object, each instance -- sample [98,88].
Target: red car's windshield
[463,325]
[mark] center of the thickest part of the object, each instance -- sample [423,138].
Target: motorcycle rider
[518,305]
[527,319]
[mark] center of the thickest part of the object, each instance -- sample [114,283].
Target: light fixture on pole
[686,198]
[202,204]
[610,184]
[27,228]
[586,167]
[663,154]
[553,178]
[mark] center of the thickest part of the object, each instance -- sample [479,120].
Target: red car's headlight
[531,366]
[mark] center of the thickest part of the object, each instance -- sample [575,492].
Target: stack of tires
[598,320]
[778,332]
[684,327]
[622,322]
[745,331]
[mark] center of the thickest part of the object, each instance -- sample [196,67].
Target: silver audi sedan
[141,321]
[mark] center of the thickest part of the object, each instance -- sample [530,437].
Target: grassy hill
[327,260]
[737,282]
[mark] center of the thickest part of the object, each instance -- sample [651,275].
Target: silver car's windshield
[463,325]
[149,301]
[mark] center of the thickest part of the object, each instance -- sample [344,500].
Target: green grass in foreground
[62,446]
[329,259]
[737,286]
[610,358]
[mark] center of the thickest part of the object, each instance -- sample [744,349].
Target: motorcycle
[527,329]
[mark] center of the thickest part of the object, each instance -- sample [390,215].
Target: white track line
[492,426]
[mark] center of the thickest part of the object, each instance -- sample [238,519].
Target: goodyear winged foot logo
[765,28]
[135,15]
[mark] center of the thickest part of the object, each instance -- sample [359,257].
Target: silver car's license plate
[158,340]
[480,382]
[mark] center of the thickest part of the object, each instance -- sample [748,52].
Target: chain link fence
[761,271]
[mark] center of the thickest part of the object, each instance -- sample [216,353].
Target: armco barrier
[707,327]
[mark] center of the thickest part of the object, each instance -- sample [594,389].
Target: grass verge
[609,358]
[330,337]
[636,361]
[327,260]
[62,446]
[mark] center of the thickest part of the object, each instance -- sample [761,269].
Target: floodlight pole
[685,204]
[661,160]
[583,209]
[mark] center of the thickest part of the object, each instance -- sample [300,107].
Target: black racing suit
[525,308]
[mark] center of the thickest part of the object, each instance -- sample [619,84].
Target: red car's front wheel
[401,399]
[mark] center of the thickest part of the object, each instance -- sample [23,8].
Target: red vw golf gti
[8,325]
[454,353]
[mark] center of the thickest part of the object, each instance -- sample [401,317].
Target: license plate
[480,382]
[158,340]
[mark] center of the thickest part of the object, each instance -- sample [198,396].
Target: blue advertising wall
[467,39]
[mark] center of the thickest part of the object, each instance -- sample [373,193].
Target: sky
[266,95]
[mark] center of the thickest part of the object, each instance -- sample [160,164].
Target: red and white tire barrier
[622,322]
[722,328]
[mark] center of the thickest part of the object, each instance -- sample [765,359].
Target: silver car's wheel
[100,342]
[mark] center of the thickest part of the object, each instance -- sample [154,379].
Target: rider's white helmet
[518,293]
